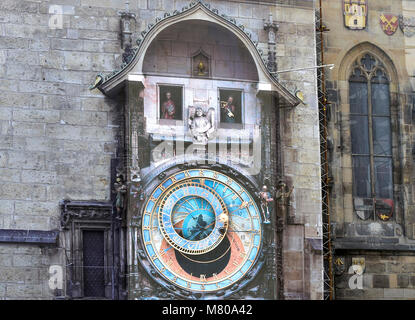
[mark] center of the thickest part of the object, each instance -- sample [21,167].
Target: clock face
[201,230]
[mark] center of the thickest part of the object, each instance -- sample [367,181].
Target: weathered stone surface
[57,138]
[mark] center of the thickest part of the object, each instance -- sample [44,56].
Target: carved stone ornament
[201,64]
[201,124]
[84,210]
[407,25]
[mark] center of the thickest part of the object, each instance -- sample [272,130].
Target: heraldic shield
[355,14]
[389,23]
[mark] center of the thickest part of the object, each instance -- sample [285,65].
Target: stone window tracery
[371,143]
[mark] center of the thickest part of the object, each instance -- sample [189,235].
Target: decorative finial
[127,19]
[271,27]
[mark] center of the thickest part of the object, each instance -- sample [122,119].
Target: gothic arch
[342,131]
[346,65]
[196,10]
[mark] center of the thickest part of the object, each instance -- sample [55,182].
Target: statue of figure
[228,111]
[168,109]
[283,193]
[120,189]
[266,207]
[201,68]
[201,124]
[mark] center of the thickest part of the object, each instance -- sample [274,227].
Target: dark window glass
[370,126]
[360,134]
[358,97]
[380,99]
[93,263]
[361,176]
[383,174]
[382,136]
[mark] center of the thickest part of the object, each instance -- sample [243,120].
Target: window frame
[368,77]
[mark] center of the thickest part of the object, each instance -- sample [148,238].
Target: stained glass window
[370,126]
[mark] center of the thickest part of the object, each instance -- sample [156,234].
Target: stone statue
[201,124]
[201,69]
[283,193]
[120,189]
[266,204]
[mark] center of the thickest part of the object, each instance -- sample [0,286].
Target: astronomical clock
[201,147]
[201,231]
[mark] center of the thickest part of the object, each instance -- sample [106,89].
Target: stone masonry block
[380,281]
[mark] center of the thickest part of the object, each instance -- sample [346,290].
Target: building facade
[150,151]
[370,95]
[202,150]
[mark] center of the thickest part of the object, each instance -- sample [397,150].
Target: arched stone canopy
[111,84]
[172,51]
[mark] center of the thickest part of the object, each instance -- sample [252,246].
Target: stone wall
[389,275]
[386,246]
[171,52]
[24,272]
[57,138]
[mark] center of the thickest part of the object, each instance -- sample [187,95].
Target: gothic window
[87,236]
[370,126]
[93,263]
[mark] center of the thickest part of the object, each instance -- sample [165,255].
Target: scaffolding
[325,176]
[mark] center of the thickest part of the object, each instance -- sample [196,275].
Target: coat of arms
[389,23]
[407,25]
[384,209]
[355,14]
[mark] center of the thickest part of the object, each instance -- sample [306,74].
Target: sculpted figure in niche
[201,124]
[228,110]
[168,109]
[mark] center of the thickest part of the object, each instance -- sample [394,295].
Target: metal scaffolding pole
[325,177]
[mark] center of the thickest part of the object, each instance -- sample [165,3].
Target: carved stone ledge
[84,210]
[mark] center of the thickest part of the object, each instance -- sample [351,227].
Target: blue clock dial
[200,220]
[201,230]
[186,225]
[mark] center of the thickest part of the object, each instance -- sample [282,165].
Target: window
[231,107]
[170,103]
[370,126]
[93,263]
[88,238]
